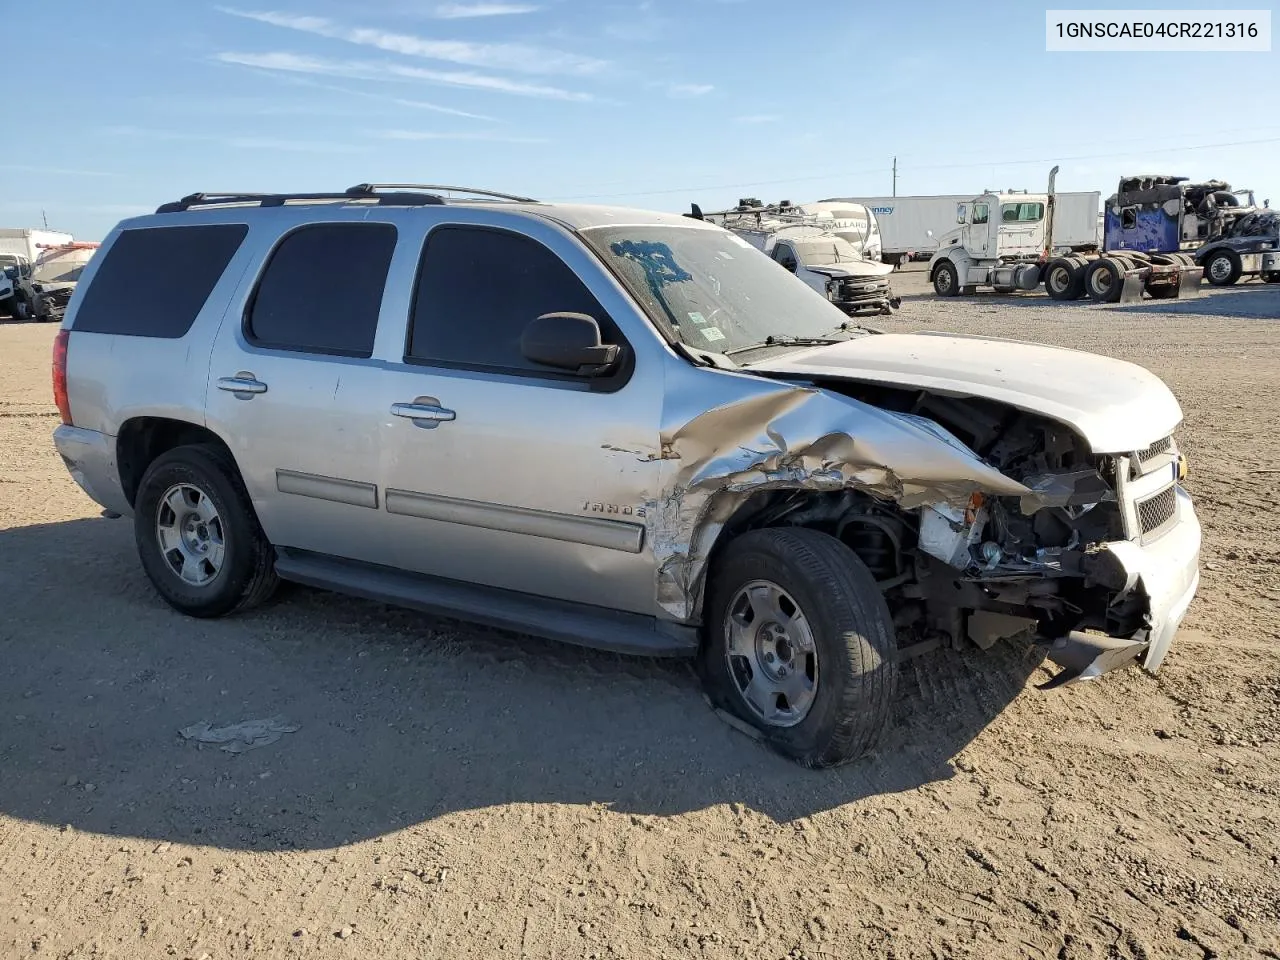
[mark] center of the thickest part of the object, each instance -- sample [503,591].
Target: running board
[576,623]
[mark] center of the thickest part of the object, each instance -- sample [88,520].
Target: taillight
[60,375]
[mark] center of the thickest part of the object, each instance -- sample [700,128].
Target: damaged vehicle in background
[655,442]
[58,270]
[1249,246]
[834,249]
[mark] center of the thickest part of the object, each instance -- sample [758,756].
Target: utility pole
[45,217]
[895,176]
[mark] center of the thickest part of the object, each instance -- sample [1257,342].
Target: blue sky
[654,103]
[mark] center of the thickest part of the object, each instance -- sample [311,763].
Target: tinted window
[154,280]
[322,289]
[477,291]
[979,213]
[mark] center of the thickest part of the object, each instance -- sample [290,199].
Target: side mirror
[569,341]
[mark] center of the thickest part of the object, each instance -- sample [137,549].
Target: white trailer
[28,243]
[910,226]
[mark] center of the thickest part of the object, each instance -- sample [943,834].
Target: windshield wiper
[785,340]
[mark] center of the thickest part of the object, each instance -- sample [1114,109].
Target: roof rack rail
[208,199]
[372,188]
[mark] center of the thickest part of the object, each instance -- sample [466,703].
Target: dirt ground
[453,792]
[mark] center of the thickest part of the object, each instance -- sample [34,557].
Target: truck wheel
[1063,279]
[19,309]
[1222,268]
[197,535]
[800,644]
[946,280]
[1273,277]
[1104,280]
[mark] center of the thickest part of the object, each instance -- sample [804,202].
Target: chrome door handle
[424,412]
[242,383]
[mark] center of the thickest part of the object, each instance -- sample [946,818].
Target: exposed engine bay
[1002,566]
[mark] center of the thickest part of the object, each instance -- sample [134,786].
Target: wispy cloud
[57,171]
[461,11]
[239,142]
[493,56]
[758,118]
[368,70]
[686,91]
[313,84]
[641,24]
[433,135]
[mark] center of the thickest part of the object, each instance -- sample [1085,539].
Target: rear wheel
[1103,280]
[1222,268]
[1273,277]
[1063,279]
[800,644]
[197,535]
[946,281]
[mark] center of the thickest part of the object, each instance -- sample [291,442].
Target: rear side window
[479,288]
[322,289]
[154,280]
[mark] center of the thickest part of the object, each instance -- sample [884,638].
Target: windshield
[814,253]
[710,289]
[1026,212]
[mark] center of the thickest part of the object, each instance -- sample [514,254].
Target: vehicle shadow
[1247,301]
[402,717]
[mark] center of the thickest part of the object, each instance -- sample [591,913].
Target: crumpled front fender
[780,436]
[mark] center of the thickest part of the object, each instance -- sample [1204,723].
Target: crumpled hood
[855,268]
[1118,407]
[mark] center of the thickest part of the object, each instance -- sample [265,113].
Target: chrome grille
[1157,510]
[1157,449]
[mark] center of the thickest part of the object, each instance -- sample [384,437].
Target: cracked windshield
[712,290]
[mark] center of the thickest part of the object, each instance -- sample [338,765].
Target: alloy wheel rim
[190,534]
[771,653]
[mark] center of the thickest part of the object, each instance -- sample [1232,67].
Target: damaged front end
[980,521]
[858,289]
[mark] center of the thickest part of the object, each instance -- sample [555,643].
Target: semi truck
[1222,228]
[909,226]
[1010,242]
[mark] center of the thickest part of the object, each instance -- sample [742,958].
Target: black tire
[19,309]
[946,279]
[1222,268]
[1104,280]
[1063,279]
[856,670]
[246,576]
[1272,277]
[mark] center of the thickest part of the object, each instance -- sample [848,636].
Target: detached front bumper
[1167,572]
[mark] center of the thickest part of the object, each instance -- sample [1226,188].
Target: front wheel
[946,282]
[800,644]
[197,535]
[1223,268]
[19,309]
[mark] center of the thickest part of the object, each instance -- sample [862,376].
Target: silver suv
[622,429]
